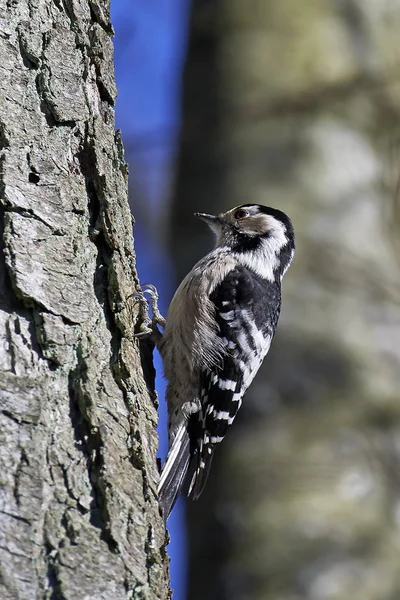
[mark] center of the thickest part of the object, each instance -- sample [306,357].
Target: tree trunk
[79,515]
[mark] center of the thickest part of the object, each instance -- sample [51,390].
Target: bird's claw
[148,325]
[151,290]
[145,325]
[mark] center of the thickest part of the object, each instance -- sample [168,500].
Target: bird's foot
[151,290]
[148,325]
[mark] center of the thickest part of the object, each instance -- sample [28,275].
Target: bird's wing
[246,310]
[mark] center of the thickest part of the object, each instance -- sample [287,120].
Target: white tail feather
[173,453]
[174,470]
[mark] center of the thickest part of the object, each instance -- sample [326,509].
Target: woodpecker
[218,329]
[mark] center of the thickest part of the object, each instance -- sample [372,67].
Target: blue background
[150,45]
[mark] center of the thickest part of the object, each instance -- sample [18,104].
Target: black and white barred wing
[247,311]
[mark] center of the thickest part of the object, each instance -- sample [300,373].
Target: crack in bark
[99,17]
[29,213]
[23,462]
[89,443]
[15,516]
[53,580]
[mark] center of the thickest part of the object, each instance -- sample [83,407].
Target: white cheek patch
[265,260]
[264,264]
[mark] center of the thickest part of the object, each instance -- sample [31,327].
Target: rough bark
[303,498]
[78,511]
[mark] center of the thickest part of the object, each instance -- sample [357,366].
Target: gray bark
[78,511]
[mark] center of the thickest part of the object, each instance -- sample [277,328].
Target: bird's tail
[174,471]
[205,454]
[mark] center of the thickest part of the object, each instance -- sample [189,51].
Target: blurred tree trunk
[78,511]
[296,106]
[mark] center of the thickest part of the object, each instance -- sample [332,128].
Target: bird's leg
[151,290]
[148,325]
[145,328]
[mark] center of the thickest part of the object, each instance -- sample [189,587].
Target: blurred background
[295,105]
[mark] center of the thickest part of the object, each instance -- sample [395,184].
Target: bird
[218,330]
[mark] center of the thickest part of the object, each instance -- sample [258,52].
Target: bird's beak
[211,220]
[214,222]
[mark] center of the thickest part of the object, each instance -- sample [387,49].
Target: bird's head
[246,225]
[256,231]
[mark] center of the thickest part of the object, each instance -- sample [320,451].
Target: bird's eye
[241,214]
